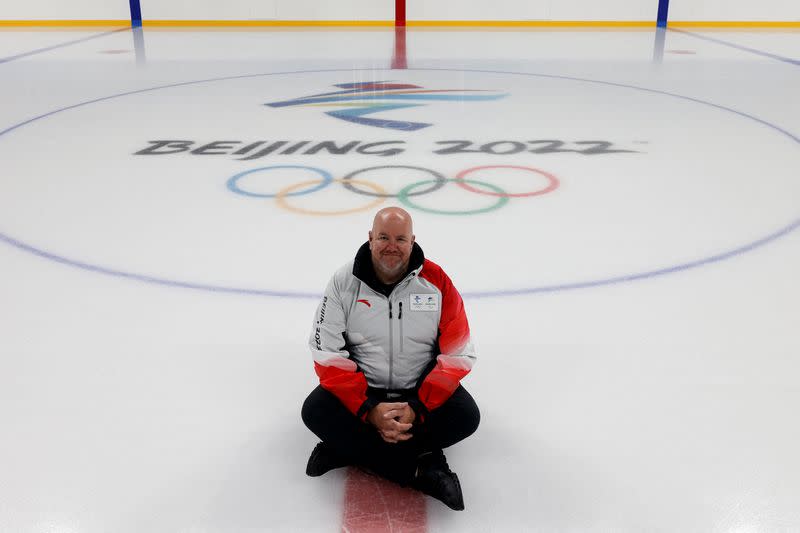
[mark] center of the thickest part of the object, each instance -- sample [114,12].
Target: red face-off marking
[374,505]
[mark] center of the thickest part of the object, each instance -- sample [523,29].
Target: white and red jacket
[416,339]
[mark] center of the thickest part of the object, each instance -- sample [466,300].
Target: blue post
[136,14]
[658,45]
[138,45]
[663,7]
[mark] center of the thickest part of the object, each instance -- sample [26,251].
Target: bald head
[390,242]
[393,214]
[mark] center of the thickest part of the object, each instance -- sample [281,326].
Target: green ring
[404,194]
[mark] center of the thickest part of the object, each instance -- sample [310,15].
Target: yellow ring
[280,197]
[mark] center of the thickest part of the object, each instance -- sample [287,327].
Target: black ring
[439,181]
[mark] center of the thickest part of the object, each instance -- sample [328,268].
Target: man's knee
[468,416]
[457,419]
[473,420]
[314,408]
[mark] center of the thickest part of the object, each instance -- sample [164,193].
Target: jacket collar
[363,269]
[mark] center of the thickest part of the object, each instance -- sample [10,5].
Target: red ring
[554,183]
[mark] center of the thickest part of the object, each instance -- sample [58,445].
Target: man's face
[390,242]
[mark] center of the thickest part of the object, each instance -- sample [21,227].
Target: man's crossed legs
[417,462]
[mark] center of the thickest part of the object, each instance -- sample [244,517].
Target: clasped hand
[392,420]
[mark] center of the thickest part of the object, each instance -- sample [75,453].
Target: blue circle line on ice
[475,294]
[233,185]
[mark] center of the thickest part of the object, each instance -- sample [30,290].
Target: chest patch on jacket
[424,302]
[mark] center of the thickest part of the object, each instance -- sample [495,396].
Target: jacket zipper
[400,318]
[391,332]
[391,346]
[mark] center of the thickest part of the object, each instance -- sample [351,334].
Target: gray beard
[391,272]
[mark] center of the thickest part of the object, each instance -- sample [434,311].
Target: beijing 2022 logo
[353,102]
[365,98]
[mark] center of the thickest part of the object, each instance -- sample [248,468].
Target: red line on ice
[374,505]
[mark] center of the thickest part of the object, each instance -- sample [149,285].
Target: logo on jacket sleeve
[424,302]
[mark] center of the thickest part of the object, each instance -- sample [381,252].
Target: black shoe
[435,479]
[322,460]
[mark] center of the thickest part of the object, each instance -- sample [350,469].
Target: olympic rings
[503,198]
[281,195]
[234,187]
[554,183]
[438,182]
[380,194]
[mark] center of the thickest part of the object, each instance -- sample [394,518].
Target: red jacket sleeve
[457,353]
[337,373]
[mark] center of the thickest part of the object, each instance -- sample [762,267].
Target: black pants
[360,444]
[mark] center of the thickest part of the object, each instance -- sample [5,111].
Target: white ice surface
[663,404]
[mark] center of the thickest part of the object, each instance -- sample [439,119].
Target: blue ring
[776,234]
[233,187]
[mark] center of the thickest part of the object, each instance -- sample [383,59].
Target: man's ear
[369,234]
